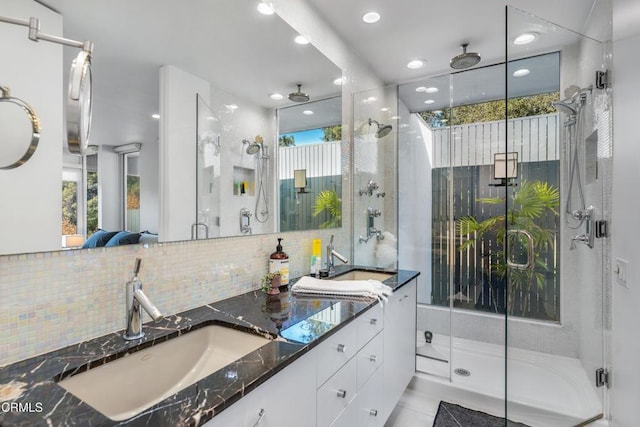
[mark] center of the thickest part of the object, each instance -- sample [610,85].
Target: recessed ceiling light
[429,101]
[232,107]
[371,17]
[431,89]
[384,109]
[276,96]
[421,89]
[339,81]
[155,116]
[415,64]
[307,112]
[521,72]
[301,40]
[525,38]
[265,8]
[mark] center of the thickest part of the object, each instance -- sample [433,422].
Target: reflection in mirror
[309,163]
[144,87]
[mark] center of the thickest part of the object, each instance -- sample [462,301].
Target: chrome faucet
[136,301]
[331,253]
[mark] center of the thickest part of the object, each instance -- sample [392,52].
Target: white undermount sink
[364,275]
[127,386]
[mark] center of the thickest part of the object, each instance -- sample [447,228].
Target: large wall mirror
[192,107]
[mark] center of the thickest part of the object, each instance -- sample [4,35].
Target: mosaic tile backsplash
[54,299]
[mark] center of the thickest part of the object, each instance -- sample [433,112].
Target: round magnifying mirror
[79,104]
[19,131]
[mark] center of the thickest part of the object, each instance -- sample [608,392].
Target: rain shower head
[299,96]
[383,130]
[465,59]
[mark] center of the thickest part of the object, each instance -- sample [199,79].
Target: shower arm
[35,34]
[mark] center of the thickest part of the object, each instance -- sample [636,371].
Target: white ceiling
[434,30]
[226,42]
[250,55]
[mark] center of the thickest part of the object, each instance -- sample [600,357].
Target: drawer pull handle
[373,321]
[260,417]
[373,412]
[342,393]
[372,358]
[342,348]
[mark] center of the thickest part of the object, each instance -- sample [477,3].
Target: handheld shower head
[383,130]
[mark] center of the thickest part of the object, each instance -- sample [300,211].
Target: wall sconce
[300,180]
[505,168]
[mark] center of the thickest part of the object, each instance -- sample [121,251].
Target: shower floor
[543,389]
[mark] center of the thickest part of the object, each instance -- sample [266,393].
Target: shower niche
[244,181]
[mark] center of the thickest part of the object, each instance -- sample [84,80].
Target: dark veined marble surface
[30,395]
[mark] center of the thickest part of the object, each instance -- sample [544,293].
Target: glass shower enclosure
[514,295]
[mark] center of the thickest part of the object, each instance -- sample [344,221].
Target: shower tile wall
[375,159]
[54,299]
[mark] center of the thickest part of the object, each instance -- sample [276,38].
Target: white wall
[33,72]
[178,91]
[625,393]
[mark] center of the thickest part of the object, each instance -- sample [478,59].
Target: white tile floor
[415,409]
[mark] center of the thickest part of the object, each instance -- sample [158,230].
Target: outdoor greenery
[332,133]
[492,111]
[287,141]
[532,205]
[329,201]
[69,207]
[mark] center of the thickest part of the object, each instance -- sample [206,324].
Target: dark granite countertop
[30,395]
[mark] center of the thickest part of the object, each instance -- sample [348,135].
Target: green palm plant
[329,201]
[530,207]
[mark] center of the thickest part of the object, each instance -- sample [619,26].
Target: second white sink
[129,385]
[364,275]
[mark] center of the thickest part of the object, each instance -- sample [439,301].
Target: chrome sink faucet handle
[136,300]
[331,255]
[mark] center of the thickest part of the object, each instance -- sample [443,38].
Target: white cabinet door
[399,344]
[286,399]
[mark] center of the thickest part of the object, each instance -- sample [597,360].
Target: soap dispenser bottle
[279,263]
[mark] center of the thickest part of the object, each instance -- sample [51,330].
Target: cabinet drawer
[348,417]
[370,358]
[335,352]
[336,394]
[369,324]
[369,402]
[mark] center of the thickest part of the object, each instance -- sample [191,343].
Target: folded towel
[342,288]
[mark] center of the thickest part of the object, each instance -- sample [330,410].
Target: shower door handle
[529,264]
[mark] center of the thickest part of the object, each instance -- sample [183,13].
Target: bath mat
[452,415]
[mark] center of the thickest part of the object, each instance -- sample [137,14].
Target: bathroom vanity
[339,362]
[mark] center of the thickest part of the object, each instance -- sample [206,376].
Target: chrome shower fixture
[299,96]
[383,130]
[465,59]
[252,147]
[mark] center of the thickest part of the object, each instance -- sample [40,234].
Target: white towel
[342,288]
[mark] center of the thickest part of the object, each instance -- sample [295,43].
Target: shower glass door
[557,168]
